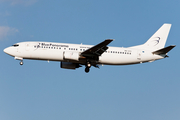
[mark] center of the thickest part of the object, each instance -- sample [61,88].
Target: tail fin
[158,40]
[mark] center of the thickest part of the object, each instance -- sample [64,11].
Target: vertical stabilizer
[158,40]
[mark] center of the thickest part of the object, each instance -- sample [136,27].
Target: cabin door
[139,54]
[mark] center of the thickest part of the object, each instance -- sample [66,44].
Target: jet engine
[71,56]
[69,65]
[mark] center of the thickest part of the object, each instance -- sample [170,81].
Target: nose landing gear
[21,63]
[19,58]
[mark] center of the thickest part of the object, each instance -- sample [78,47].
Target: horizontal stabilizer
[164,50]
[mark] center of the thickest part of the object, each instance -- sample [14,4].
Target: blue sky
[41,90]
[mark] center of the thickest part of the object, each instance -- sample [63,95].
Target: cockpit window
[15,45]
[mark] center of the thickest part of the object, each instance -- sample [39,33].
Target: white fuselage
[73,56]
[56,52]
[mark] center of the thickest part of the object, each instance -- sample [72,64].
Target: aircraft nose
[7,50]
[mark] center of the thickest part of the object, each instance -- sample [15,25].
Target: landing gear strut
[19,58]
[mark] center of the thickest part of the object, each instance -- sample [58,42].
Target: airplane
[72,56]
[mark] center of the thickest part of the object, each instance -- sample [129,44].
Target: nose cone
[6,50]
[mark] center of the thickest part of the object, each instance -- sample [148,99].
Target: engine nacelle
[71,56]
[69,65]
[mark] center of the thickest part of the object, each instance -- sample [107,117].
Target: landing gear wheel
[21,63]
[87,69]
[88,65]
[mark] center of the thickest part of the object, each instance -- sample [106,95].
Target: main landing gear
[87,69]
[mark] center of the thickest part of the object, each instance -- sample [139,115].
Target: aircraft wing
[97,50]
